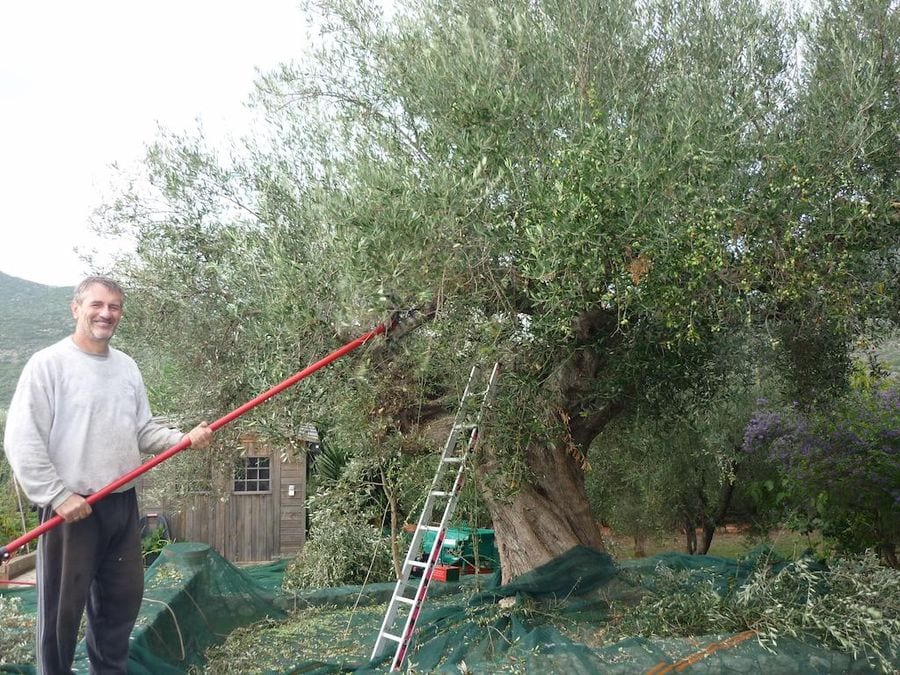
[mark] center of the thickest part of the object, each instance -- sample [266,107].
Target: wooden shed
[262,516]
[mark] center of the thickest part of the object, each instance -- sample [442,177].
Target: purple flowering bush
[839,468]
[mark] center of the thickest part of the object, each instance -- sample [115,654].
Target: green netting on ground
[559,624]
[193,598]
[200,613]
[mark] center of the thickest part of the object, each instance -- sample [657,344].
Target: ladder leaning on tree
[408,597]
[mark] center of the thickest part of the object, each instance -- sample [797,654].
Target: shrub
[153,544]
[840,467]
[11,526]
[16,633]
[343,548]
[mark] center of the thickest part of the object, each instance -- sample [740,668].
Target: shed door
[252,534]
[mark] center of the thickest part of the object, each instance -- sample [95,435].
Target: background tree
[680,467]
[596,195]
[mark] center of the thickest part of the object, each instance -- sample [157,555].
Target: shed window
[252,474]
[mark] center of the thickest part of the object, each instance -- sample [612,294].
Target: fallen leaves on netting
[330,635]
[16,633]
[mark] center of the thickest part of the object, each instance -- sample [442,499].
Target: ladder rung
[456,451]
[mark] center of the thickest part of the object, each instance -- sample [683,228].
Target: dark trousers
[95,564]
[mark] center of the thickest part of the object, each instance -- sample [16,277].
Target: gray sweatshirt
[78,421]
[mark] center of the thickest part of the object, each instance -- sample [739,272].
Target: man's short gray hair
[106,282]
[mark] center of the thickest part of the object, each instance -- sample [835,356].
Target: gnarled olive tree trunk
[544,518]
[551,513]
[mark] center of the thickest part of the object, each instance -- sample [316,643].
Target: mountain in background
[32,316]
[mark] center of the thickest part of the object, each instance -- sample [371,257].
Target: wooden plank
[278,489]
[218,514]
[247,528]
[291,508]
[257,539]
[233,529]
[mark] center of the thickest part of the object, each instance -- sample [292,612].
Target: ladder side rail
[427,573]
[424,584]
[401,585]
[388,619]
[418,535]
[461,412]
[449,446]
[428,509]
[411,556]
[449,455]
[458,483]
[421,590]
[419,596]
[404,581]
[411,620]
[424,518]
[410,624]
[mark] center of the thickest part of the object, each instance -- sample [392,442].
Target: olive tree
[597,195]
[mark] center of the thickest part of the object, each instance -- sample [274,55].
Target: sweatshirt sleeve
[153,435]
[27,437]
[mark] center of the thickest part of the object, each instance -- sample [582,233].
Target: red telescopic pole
[7,551]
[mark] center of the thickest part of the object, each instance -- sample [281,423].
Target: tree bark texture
[710,523]
[545,518]
[551,514]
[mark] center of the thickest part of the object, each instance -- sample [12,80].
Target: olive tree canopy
[607,198]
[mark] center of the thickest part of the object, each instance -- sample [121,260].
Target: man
[79,420]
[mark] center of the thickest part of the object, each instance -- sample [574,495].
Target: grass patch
[789,545]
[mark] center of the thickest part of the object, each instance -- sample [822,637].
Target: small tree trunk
[887,551]
[396,556]
[640,546]
[711,522]
[709,531]
[690,532]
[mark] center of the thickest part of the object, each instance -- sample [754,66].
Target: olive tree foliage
[598,195]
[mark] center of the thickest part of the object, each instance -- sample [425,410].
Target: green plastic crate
[459,547]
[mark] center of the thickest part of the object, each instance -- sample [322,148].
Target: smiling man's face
[96,317]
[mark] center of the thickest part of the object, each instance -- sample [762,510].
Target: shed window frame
[252,476]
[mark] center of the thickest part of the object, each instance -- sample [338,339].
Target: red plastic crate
[471,569]
[445,573]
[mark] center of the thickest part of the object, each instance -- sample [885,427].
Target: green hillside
[32,316]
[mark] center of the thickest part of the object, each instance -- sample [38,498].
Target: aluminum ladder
[406,602]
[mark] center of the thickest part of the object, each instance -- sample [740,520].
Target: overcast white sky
[85,83]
